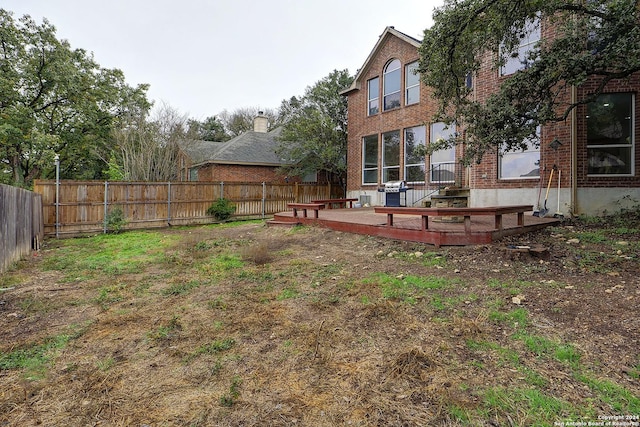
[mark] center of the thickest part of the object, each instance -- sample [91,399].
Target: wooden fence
[84,206]
[21,224]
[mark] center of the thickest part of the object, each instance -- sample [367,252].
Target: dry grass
[255,326]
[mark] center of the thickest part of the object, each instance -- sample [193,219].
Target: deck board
[408,227]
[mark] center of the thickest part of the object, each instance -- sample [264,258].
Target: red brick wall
[240,173]
[485,175]
[626,85]
[361,125]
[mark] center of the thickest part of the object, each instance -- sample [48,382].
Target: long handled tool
[559,214]
[542,212]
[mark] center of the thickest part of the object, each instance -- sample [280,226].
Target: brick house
[390,113]
[249,157]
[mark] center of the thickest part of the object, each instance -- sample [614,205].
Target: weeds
[407,288]
[213,347]
[180,288]
[229,399]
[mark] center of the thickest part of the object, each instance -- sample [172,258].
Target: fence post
[169,203]
[57,161]
[222,189]
[264,199]
[106,209]
[296,194]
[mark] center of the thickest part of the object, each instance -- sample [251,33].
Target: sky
[201,57]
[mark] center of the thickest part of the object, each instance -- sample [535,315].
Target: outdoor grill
[393,191]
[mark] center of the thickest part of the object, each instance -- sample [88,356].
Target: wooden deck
[481,230]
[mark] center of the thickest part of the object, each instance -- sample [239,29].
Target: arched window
[391,85]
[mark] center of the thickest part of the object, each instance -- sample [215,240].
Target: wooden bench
[330,202]
[467,213]
[315,207]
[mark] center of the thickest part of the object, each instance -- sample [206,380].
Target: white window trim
[406,84]
[537,25]
[377,168]
[520,178]
[432,164]
[376,98]
[423,163]
[384,84]
[631,146]
[397,166]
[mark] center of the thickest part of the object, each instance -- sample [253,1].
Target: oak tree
[593,40]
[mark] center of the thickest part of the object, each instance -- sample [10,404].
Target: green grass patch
[222,264]
[109,254]
[234,392]
[407,288]
[532,406]
[35,359]
[287,293]
[213,347]
[517,318]
[110,294]
[621,400]
[180,288]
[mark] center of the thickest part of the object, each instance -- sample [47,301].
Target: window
[519,59]
[391,156]
[193,174]
[443,162]
[521,164]
[610,138]
[412,84]
[370,159]
[391,85]
[373,95]
[414,168]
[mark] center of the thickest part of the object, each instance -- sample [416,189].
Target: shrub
[115,220]
[222,209]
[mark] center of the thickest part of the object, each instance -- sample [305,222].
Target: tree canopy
[594,40]
[56,100]
[314,135]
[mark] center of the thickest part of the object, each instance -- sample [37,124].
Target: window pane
[371,151]
[520,165]
[414,137]
[392,82]
[374,88]
[391,150]
[519,59]
[415,173]
[610,139]
[413,78]
[370,176]
[370,159]
[373,95]
[392,101]
[442,131]
[609,120]
[616,160]
[391,85]
[412,84]
[391,174]
[413,95]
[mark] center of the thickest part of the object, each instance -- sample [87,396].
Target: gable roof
[388,32]
[249,148]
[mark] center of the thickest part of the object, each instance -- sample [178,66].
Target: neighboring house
[390,114]
[249,157]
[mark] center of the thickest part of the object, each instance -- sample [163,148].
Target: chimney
[261,123]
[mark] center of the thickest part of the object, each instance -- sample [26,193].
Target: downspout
[575,208]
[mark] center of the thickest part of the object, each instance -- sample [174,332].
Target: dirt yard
[248,325]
